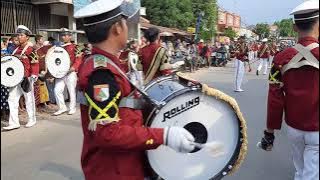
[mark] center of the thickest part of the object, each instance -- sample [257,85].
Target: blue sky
[255,11]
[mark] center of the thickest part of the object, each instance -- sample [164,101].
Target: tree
[209,20]
[170,13]
[183,13]
[285,28]
[263,30]
[230,33]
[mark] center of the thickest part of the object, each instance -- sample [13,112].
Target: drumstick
[215,149]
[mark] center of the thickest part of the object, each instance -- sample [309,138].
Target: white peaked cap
[97,7]
[22,28]
[307,10]
[100,11]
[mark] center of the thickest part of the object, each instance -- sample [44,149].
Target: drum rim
[20,63]
[235,155]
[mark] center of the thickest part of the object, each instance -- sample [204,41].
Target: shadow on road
[65,171]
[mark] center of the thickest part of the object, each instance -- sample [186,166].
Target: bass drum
[206,117]
[12,71]
[58,62]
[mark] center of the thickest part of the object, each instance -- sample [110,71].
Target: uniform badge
[101,92]
[100,61]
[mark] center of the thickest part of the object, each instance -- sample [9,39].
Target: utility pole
[198,24]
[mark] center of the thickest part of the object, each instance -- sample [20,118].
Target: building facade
[228,20]
[47,17]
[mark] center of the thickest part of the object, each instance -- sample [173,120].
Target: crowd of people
[44,86]
[194,55]
[114,137]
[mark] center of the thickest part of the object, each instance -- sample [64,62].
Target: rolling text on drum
[180,109]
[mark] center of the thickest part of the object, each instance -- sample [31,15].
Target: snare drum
[206,117]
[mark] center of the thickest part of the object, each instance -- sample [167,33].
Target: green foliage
[210,18]
[230,33]
[170,13]
[285,28]
[263,30]
[183,14]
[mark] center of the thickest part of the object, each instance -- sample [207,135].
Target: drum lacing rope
[244,146]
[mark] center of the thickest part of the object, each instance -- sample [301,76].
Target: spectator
[4,50]
[13,43]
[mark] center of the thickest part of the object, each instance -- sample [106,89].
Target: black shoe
[257,73]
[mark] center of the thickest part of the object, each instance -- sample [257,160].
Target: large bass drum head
[12,71]
[208,119]
[58,62]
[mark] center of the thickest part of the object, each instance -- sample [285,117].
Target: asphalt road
[51,150]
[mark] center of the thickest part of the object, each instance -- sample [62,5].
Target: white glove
[179,139]
[34,78]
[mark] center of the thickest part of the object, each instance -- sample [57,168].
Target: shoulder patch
[101,92]
[100,61]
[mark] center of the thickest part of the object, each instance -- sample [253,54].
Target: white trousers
[264,63]
[251,55]
[239,73]
[255,54]
[13,100]
[71,81]
[305,153]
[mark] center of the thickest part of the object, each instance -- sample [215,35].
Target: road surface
[51,150]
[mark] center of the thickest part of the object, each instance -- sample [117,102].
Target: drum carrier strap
[303,52]
[126,102]
[22,52]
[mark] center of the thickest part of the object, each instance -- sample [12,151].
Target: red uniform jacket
[75,55]
[115,151]
[242,53]
[299,96]
[266,53]
[124,61]
[255,47]
[273,50]
[29,59]
[200,47]
[146,55]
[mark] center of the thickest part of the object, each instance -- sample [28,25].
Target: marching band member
[273,52]
[294,92]
[154,57]
[255,48]
[70,80]
[114,135]
[29,58]
[264,53]
[241,54]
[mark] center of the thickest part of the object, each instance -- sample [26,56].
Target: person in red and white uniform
[70,80]
[29,58]
[294,93]
[241,55]
[114,138]
[264,53]
[273,51]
